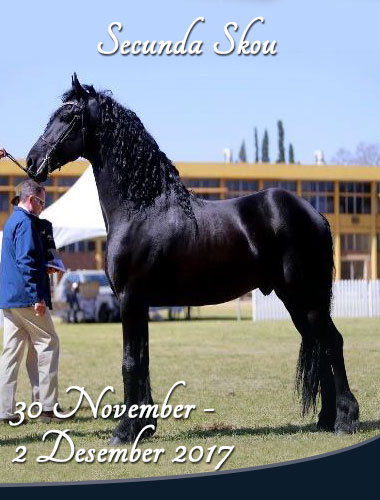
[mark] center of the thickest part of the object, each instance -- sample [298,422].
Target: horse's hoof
[344,428]
[326,422]
[347,415]
[325,427]
[115,440]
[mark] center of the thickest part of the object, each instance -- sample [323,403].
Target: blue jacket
[23,277]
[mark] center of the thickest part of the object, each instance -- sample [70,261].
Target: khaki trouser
[21,328]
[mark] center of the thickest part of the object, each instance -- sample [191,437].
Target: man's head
[31,196]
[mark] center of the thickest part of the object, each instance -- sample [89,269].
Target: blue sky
[324,83]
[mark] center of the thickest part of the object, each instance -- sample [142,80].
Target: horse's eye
[66,117]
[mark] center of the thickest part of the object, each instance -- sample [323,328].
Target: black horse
[165,246]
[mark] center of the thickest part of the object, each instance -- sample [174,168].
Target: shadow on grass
[218,430]
[227,431]
[207,318]
[284,430]
[37,437]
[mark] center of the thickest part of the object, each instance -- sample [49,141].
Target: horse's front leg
[135,369]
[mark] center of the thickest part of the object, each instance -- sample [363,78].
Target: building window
[201,183]
[79,246]
[355,198]
[17,179]
[240,187]
[355,187]
[49,198]
[324,204]
[289,185]
[4,202]
[208,196]
[354,270]
[354,205]
[202,186]
[355,243]
[4,180]
[317,187]
[378,198]
[49,182]
[67,181]
[319,195]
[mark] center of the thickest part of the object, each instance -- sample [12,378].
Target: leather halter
[79,116]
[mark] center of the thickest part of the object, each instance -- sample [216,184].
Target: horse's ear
[80,91]
[91,91]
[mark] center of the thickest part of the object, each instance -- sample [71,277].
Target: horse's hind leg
[327,415]
[314,370]
[347,408]
[321,366]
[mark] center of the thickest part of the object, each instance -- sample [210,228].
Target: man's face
[37,203]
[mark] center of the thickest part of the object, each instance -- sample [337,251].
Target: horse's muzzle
[38,174]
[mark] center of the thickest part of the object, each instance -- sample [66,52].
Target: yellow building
[347,195]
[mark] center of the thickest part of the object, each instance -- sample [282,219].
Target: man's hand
[52,270]
[40,308]
[3,153]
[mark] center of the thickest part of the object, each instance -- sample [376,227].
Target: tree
[281,147]
[243,153]
[365,154]
[342,157]
[291,153]
[256,147]
[265,148]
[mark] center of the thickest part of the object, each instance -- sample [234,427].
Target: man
[24,297]
[3,153]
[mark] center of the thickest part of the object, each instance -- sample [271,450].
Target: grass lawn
[244,370]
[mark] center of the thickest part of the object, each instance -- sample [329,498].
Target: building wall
[347,195]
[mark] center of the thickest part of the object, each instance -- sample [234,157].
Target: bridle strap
[54,146]
[62,137]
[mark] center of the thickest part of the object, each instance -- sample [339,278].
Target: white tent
[77,214]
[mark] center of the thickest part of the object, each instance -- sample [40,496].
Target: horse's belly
[207,285]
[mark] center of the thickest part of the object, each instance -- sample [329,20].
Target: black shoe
[12,420]
[49,416]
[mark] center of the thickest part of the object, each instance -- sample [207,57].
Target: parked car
[97,302]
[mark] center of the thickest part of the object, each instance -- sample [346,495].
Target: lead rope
[15,161]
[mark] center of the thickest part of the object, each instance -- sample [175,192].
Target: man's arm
[27,255]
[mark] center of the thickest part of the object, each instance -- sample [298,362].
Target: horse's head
[68,134]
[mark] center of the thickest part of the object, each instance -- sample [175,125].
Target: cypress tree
[243,153]
[265,148]
[291,153]
[256,147]
[281,148]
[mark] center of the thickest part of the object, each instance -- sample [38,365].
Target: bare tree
[342,157]
[365,154]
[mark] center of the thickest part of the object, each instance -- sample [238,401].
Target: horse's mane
[140,168]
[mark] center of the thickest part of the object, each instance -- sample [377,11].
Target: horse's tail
[309,366]
[308,373]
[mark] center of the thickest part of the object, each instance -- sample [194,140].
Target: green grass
[242,369]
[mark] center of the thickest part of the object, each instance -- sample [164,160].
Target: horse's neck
[107,187]
[115,203]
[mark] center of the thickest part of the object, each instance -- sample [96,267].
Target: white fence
[351,299]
